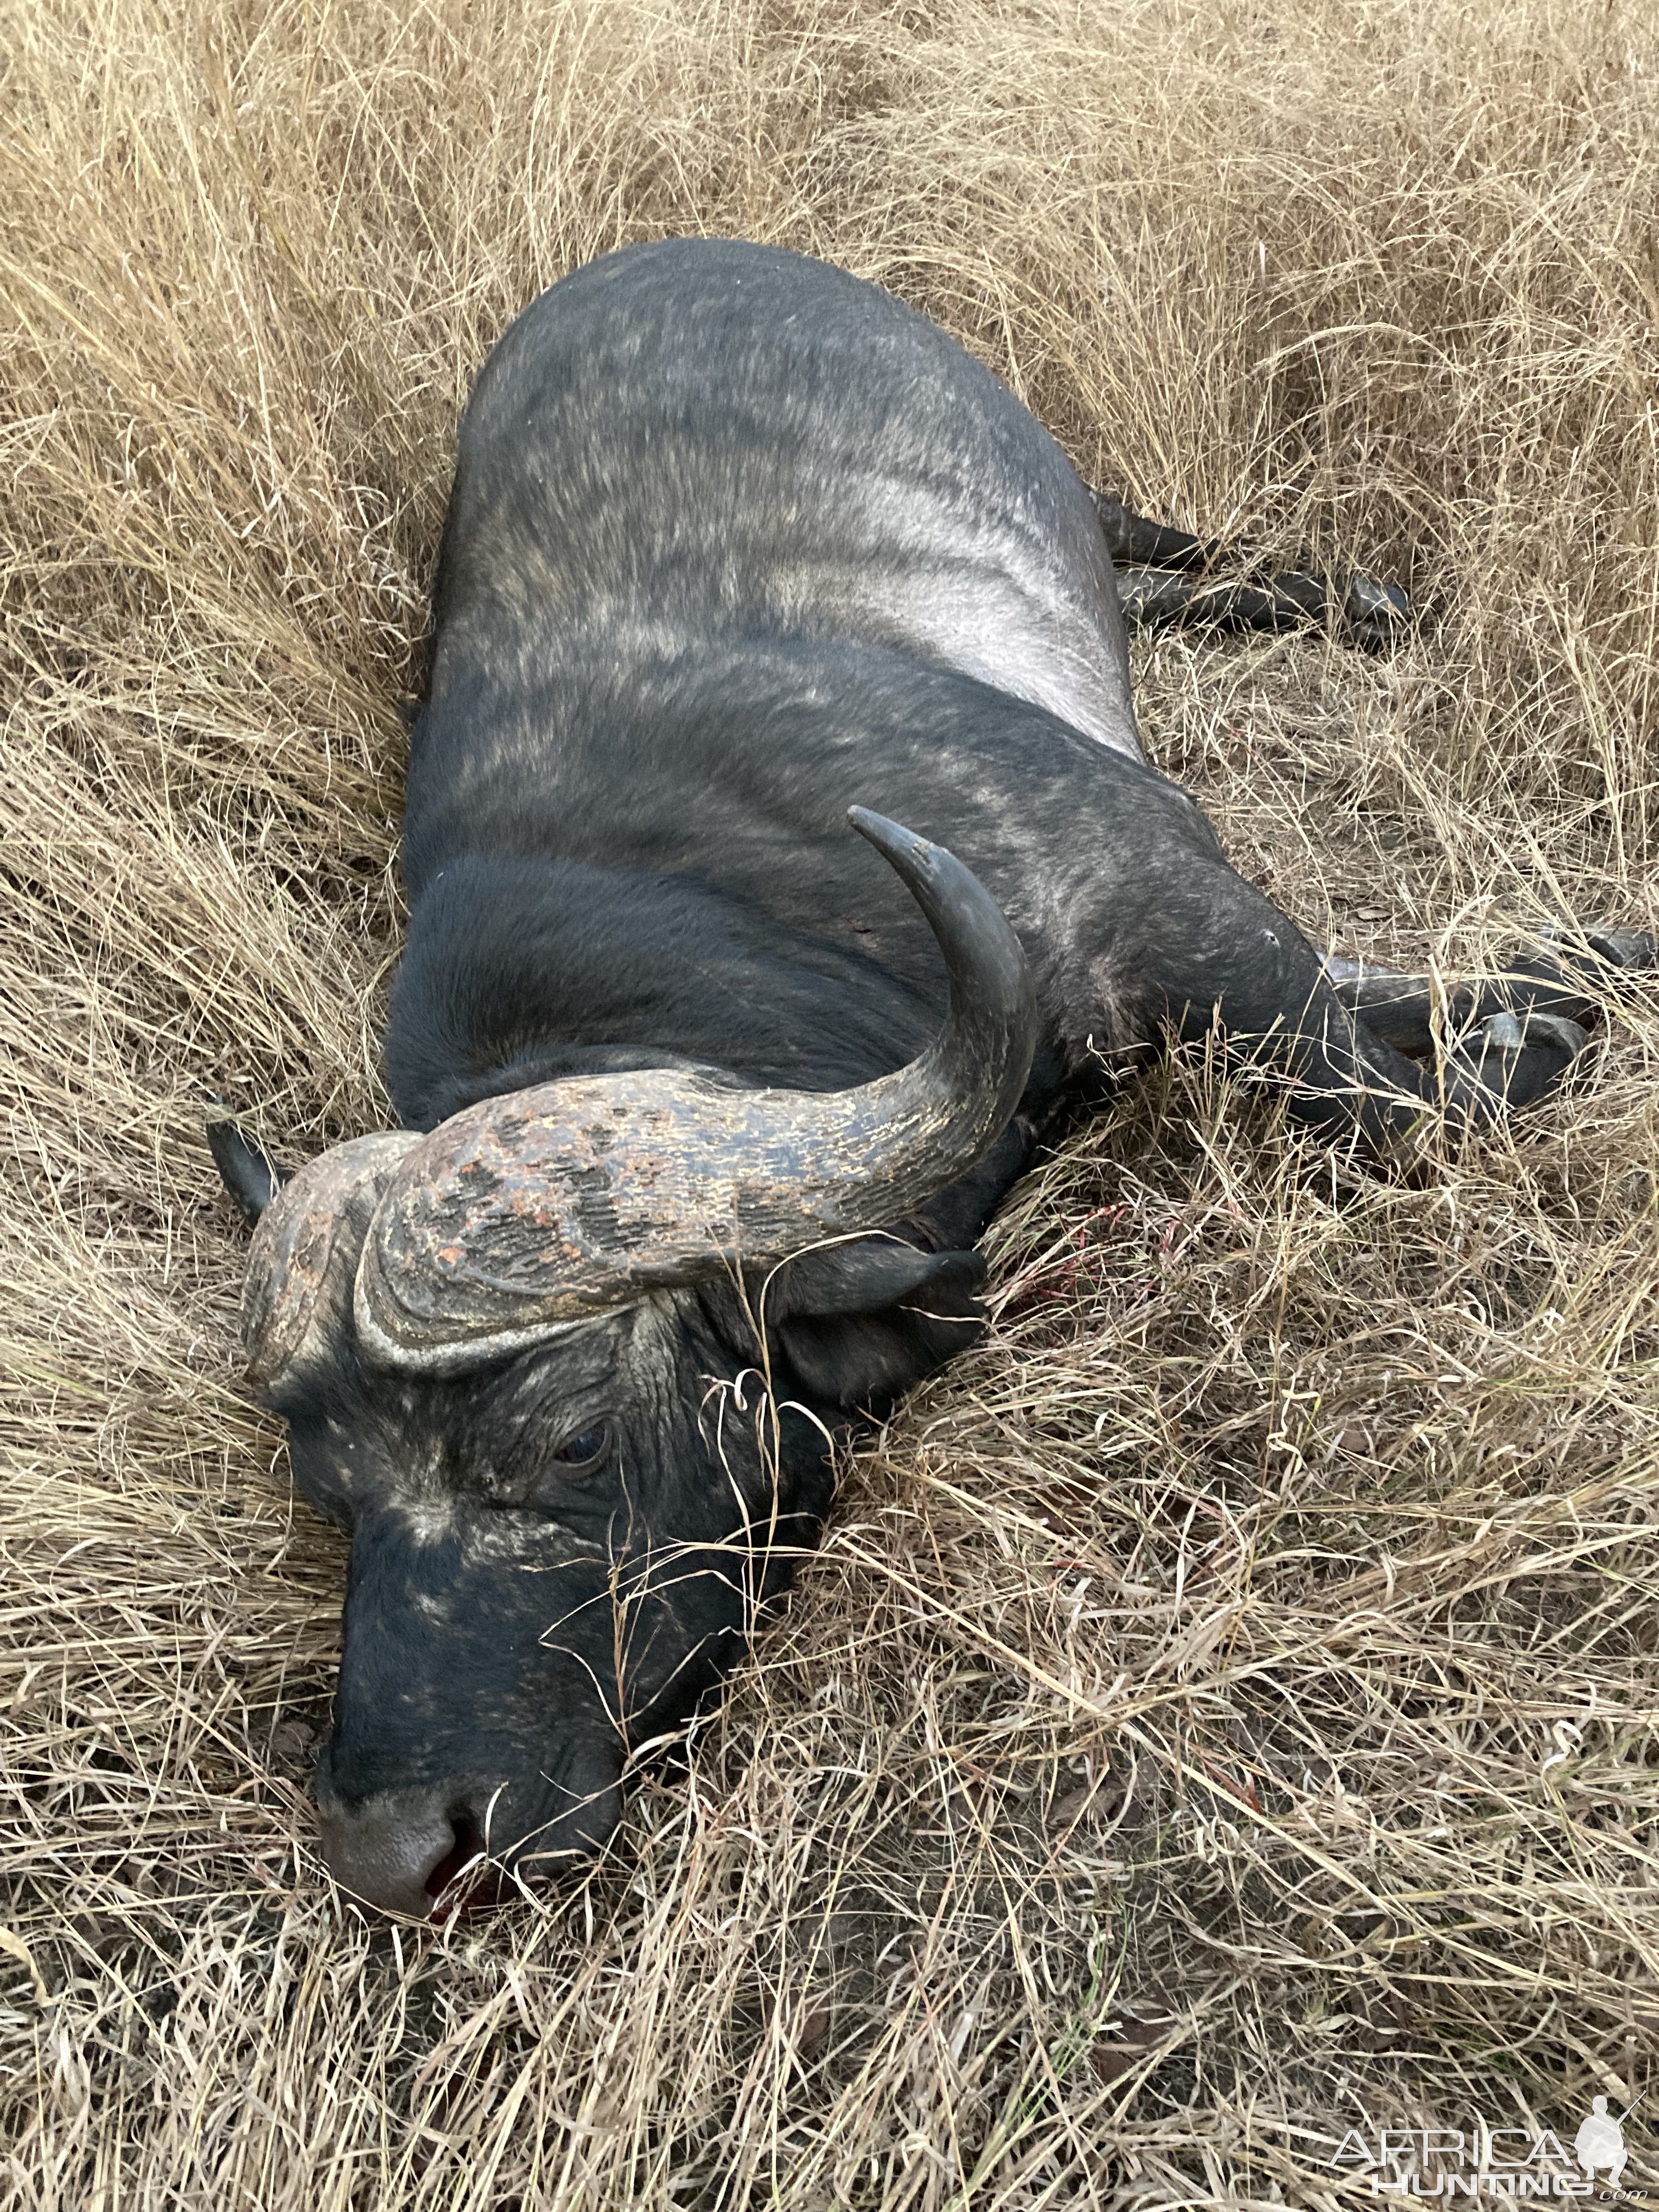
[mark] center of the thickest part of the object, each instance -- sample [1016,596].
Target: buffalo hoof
[1510,1059]
[1627,950]
[1376,616]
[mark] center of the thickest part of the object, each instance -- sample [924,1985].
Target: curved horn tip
[981,948]
[891,839]
[246,1170]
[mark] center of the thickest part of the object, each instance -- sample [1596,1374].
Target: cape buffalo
[702,1107]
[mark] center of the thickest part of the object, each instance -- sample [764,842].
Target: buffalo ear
[860,1323]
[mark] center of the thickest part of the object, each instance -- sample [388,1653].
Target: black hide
[736,542]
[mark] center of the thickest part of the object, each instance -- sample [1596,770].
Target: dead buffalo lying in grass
[690,1124]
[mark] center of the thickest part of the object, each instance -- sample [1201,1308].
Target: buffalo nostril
[467,1849]
[394,1852]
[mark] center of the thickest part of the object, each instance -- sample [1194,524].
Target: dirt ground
[1222,1715]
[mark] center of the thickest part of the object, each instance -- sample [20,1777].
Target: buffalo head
[565,1366]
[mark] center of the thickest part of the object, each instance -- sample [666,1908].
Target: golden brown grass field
[1223,1712]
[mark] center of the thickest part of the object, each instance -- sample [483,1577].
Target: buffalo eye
[584,1449]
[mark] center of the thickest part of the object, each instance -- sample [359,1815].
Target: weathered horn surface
[297,1290]
[528,1214]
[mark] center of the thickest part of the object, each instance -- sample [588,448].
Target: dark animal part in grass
[1167,576]
[702,1111]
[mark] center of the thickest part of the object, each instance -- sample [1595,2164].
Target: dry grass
[1224,1710]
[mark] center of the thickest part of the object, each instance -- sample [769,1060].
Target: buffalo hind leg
[1166,576]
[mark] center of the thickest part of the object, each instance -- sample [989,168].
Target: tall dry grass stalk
[1223,1712]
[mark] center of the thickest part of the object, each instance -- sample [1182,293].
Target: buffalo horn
[532,1213]
[297,1293]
